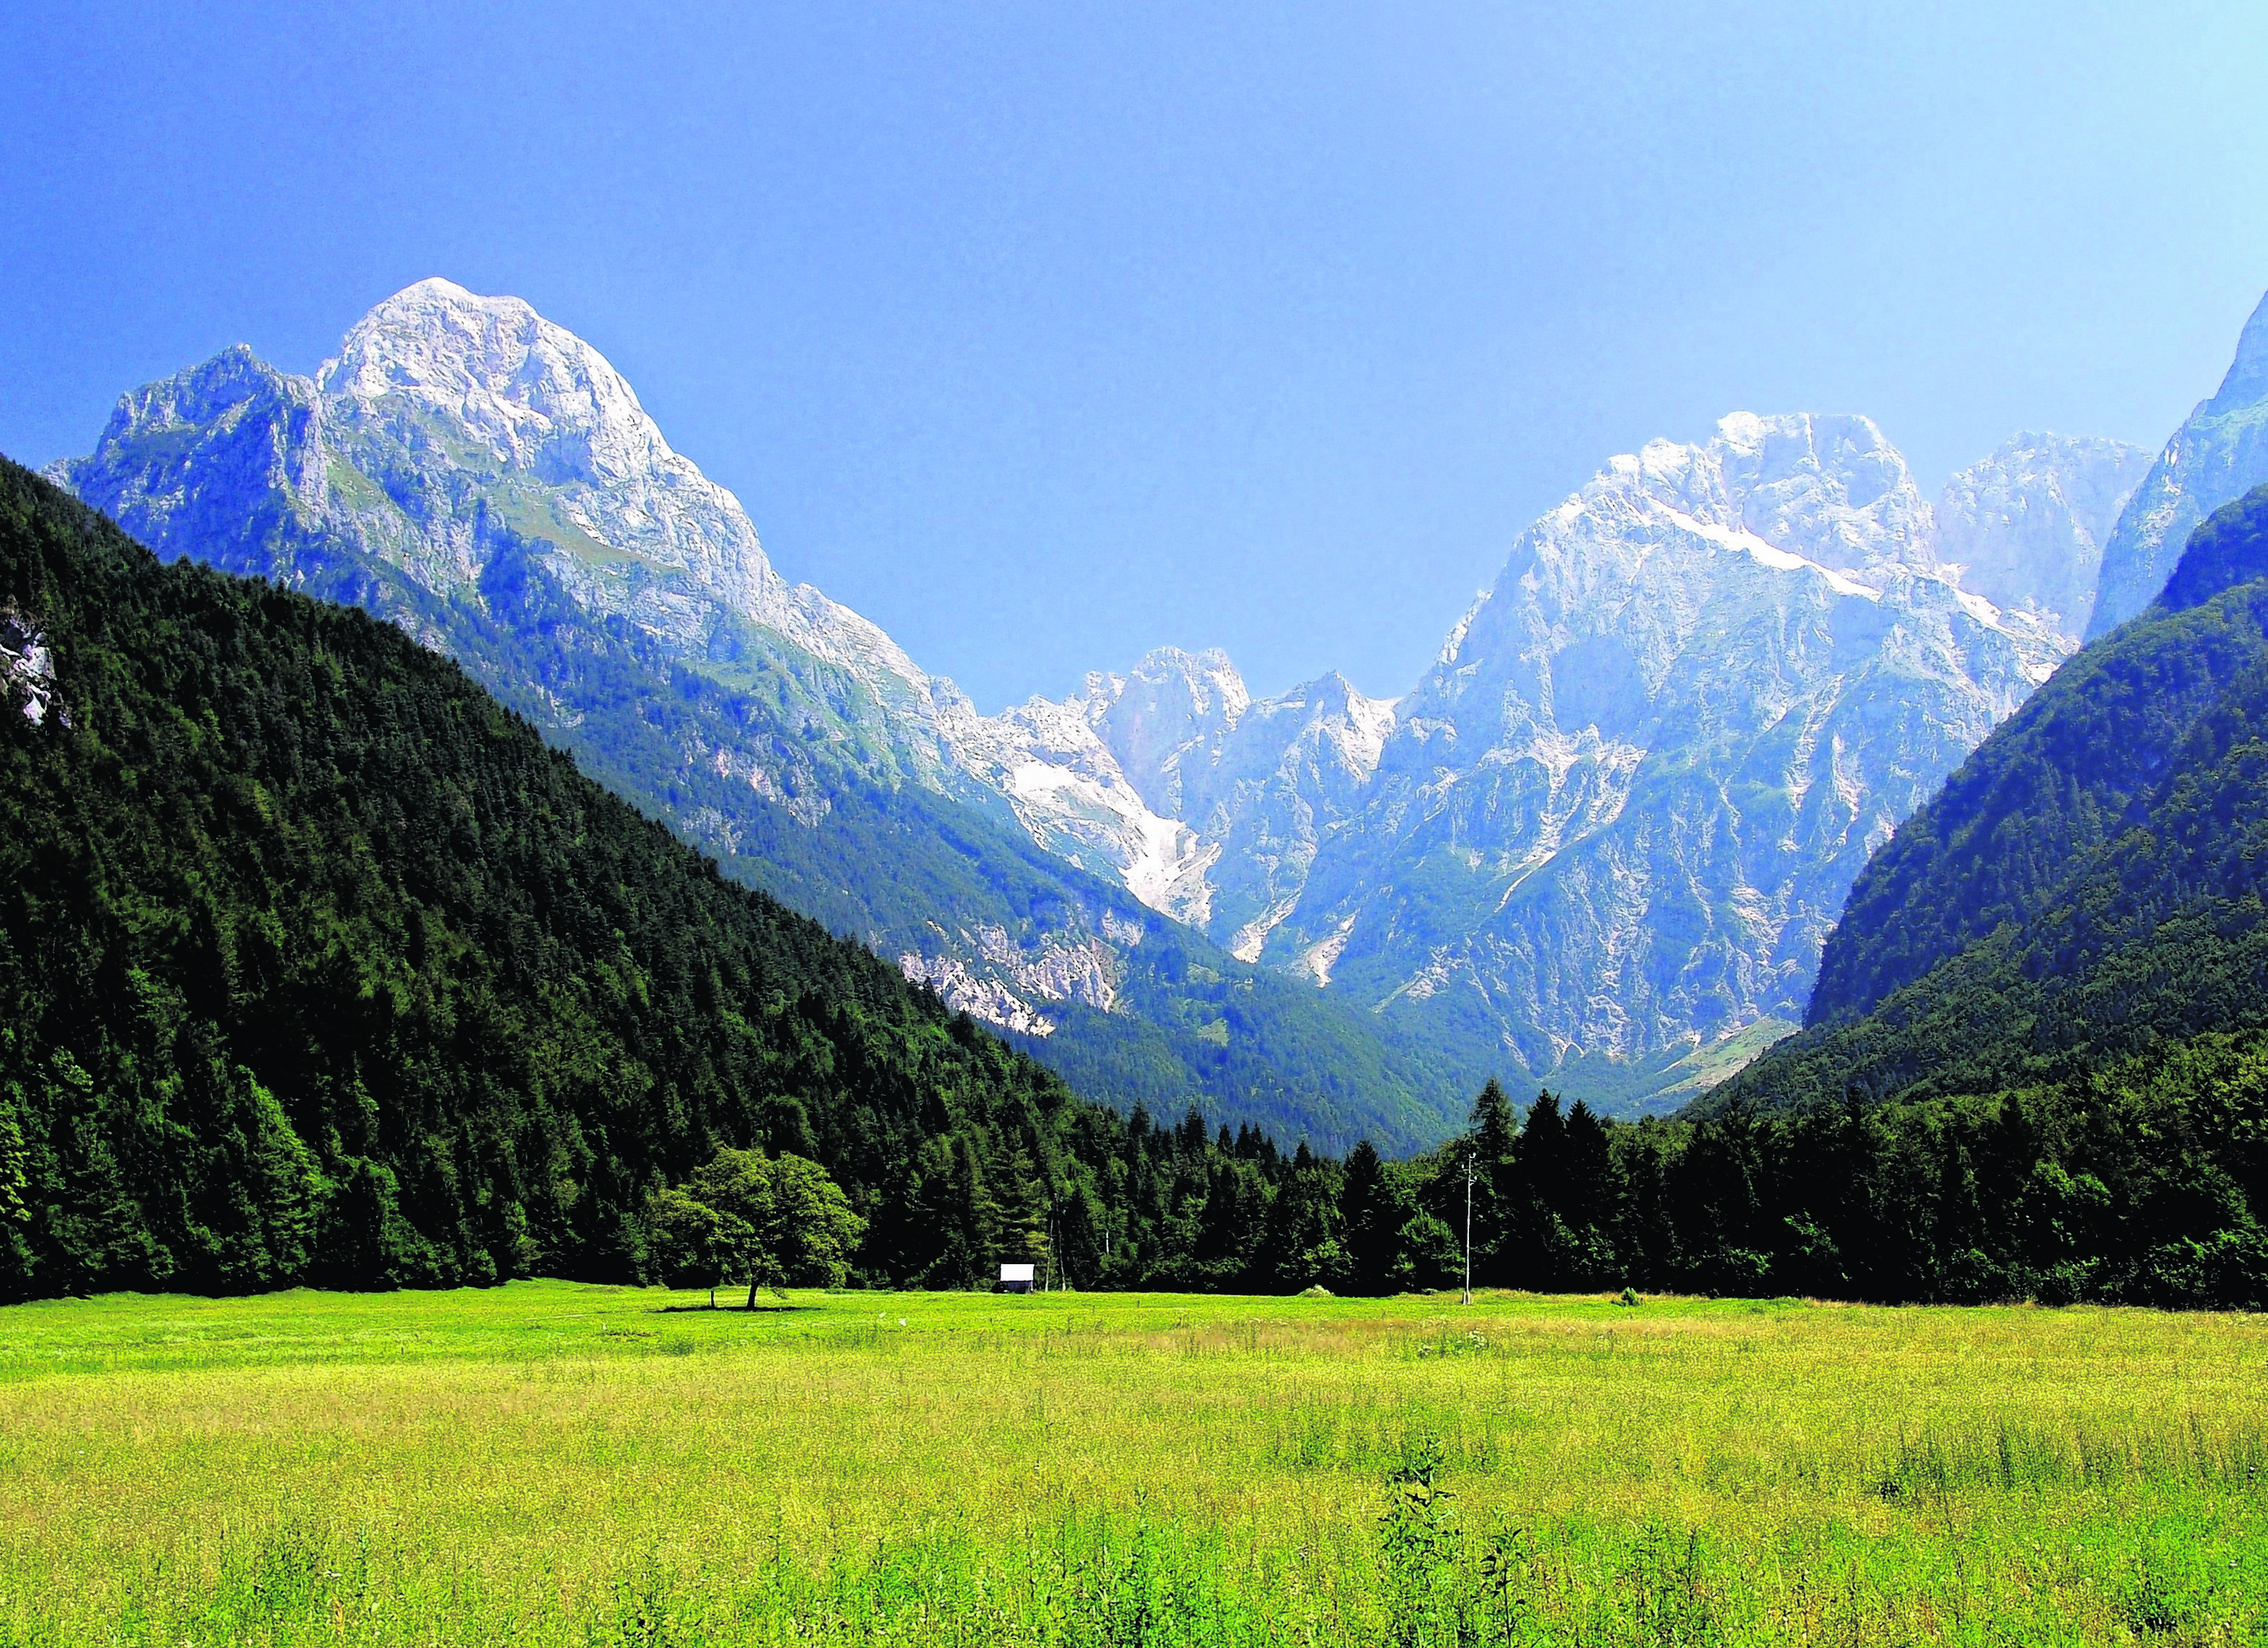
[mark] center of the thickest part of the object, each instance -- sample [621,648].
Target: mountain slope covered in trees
[317,964]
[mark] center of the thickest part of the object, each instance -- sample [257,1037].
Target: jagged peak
[1332,695]
[1826,488]
[208,394]
[1751,431]
[1213,661]
[199,394]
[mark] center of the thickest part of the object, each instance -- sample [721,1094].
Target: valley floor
[551,1463]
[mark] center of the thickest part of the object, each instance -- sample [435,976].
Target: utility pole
[1472,1168]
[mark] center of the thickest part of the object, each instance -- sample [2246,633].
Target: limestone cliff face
[1624,808]
[1208,804]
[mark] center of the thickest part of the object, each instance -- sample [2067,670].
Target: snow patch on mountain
[1781,560]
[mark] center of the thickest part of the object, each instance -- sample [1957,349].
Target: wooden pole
[1471,1166]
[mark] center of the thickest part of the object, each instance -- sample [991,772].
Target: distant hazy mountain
[1207,803]
[488,480]
[2025,526]
[2218,455]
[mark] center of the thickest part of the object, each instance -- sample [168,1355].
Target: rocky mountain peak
[1828,487]
[205,393]
[538,396]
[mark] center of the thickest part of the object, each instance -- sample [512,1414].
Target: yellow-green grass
[547,1462]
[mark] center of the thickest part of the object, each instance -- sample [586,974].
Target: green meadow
[550,1463]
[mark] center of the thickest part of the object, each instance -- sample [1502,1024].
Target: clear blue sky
[1047,334]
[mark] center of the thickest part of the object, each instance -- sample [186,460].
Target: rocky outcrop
[1617,817]
[1210,805]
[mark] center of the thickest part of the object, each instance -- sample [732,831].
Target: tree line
[2139,1185]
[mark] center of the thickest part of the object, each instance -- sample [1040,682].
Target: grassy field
[549,1463]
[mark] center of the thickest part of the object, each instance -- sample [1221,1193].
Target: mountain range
[488,482]
[1601,841]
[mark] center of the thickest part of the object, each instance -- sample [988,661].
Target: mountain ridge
[2220,453]
[642,625]
[1430,871]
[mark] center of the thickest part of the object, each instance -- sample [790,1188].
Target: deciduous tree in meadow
[773,1220]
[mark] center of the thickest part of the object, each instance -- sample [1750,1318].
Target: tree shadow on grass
[775,1307]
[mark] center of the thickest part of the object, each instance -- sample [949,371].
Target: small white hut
[1017,1278]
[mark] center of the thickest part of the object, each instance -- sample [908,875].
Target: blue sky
[1044,335]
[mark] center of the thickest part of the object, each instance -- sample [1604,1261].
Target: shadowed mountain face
[487,481]
[2219,454]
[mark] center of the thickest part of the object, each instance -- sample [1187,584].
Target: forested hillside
[316,964]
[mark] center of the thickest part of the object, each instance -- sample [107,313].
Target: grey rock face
[2220,454]
[1206,804]
[1623,810]
[2027,526]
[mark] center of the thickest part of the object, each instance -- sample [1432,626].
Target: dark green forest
[317,964]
